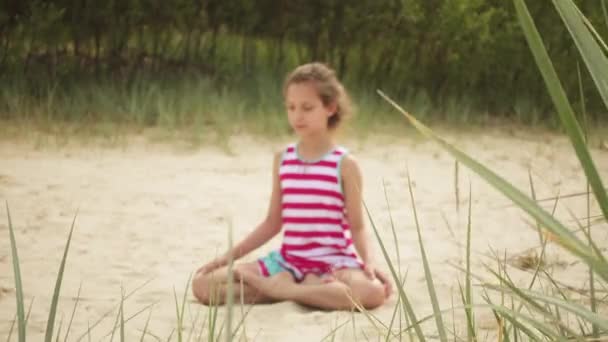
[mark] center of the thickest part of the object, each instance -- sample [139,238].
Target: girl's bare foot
[276,287]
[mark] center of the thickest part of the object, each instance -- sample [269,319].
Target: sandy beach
[150,214]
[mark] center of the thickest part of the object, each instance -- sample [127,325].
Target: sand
[150,214]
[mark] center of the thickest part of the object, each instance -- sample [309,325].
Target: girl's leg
[350,285]
[211,288]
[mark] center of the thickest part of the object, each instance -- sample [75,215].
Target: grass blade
[533,193]
[52,313]
[471,335]
[541,327]
[447,224]
[59,329]
[593,56]
[593,303]
[10,330]
[122,315]
[454,336]
[67,333]
[179,317]
[593,299]
[213,309]
[185,296]
[29,311]
[370,317]
[557,289]
[517,326]
[525,298]
[596,65]
[427,270]
[117,319]
[583,107]
[564,236]
[393,317]
[503,334]
[18,284]
[332,332]
[407,306]
[466,310]
[604,11]
[202,329]
[548,199]
[107,313]
[171,335]
[569,306]
[128,319]
[149,333]
[390,215]
[180,312]
[398,255]
[143,334]
[242,320]
[193,322]
[456,187]
[229,289]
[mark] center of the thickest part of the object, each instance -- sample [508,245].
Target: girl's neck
[314,148]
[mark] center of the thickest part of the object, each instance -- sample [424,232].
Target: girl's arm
[352,184]
[265,231]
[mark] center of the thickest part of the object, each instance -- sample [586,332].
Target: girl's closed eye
[308,108]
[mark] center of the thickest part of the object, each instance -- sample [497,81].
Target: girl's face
[306,112]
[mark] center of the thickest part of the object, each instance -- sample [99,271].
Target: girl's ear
[332,108]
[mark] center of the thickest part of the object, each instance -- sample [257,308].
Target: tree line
[466,49]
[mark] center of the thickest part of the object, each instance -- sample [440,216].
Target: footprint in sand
[52,186]
[146,297]
[7,180]
[41,216]
[160,203]
[5,291]
[134,274]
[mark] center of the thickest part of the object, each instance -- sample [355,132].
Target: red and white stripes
[316,236]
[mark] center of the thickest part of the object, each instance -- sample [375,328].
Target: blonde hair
[328,87]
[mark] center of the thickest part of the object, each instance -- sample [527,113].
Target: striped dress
[316,234]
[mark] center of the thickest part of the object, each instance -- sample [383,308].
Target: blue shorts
[271,264]
[274,263]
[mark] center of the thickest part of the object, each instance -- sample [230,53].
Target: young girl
[324,260]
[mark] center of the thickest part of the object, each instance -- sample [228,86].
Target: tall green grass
[207,109]
[18,284]
[199,109]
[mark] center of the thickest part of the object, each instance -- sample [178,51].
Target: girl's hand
[211,266]
[386,281]
[370,271]
[373,273]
